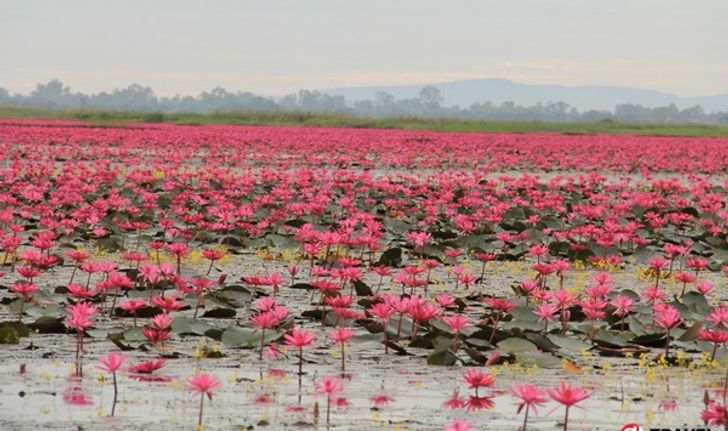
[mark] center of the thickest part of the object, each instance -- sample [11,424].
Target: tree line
[428,104]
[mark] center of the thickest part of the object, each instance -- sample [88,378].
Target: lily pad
[236,336]
[391,257]
[569,343]
[48,325]
[8,335]
[442,357]
[220,313]
[516,345]
[607,339]
[362,289]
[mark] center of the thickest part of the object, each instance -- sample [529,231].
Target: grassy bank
[332,120]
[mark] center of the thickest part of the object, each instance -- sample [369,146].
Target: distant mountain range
[587,97]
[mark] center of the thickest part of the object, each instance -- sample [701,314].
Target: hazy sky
[275,47]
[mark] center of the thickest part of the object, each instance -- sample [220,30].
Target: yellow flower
[650,375]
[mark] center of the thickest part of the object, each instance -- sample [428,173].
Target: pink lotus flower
[704,288]
[457,322]
[719,317]
[132,306]
[299,340]
[667,318]
[26,292]
[111,364]
[478,379]
[329,386]
[263,321]
[568,396]
[202,384]
[381,401]
[715,414]
[213,256]
[341,336]
[274,280]
[530,397]
[168,304]
[382,311]
[147,367]
[458,425]
[545,313]
[715,336]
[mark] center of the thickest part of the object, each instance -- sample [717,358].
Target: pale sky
[275,47]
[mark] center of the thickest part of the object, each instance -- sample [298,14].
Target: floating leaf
[108,245]
[236,336]
[650,340]
[442,357]
[607,339]
[8,335]
[295,222]
[478,342]
[48,325]
[233,295]
[516,345]
[20,328]
[391,257]
[692,333]
[362,289]
[368,338]
[214,333]
[220,313]
[696,303]
[118,340]
[540,359]
[569,343]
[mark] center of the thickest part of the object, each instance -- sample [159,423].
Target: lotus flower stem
[199,416]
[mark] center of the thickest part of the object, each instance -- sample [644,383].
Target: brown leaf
[692,333]
[571,367]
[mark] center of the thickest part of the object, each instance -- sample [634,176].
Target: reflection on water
[396,393]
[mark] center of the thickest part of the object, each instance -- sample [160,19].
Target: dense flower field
[325,257]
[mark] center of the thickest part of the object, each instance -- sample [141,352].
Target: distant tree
[428,103]
[431,99]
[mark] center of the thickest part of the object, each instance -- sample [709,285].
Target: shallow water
[41,396]
[253,395]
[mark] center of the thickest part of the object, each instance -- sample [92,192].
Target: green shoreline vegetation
[304,119]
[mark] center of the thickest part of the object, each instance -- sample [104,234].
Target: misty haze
[491,99]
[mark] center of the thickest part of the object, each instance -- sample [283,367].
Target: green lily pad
[606,338]
[541,360]
[442,357]
[362,289]
[8,335]
[516,345]
[696,303]
[48,325]
[391,257]
[236,336]
[569,343]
